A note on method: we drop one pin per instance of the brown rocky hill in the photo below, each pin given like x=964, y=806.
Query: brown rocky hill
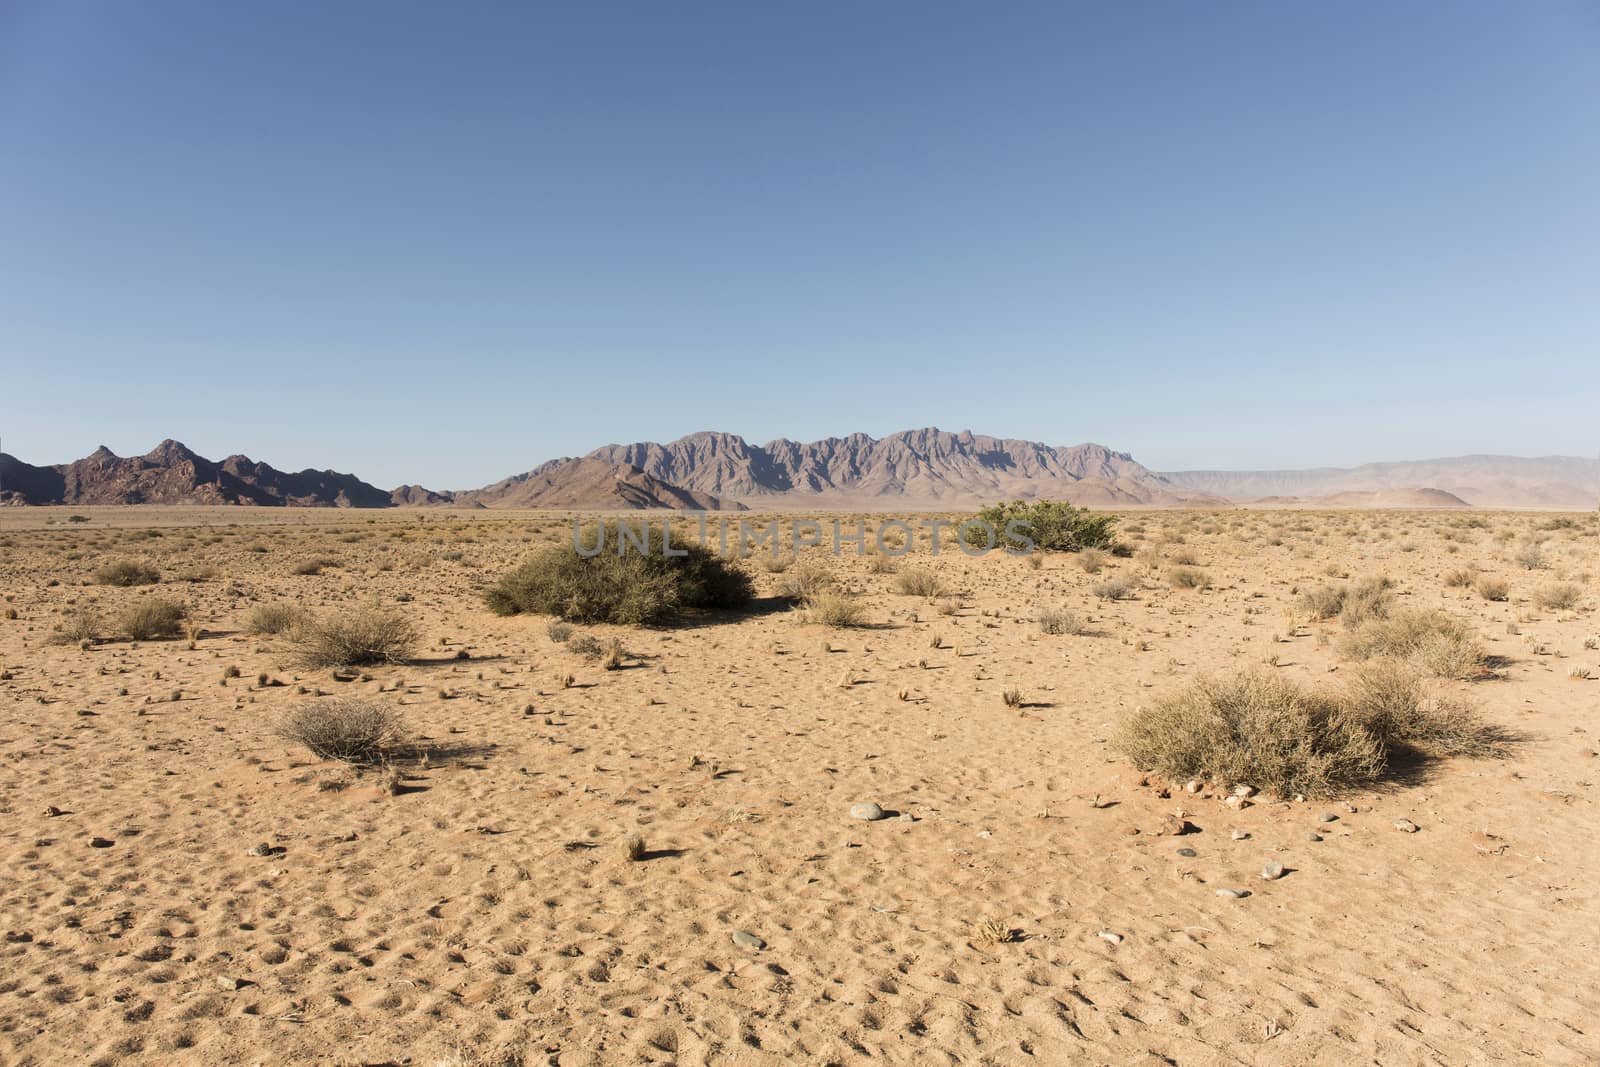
x=589, y=485
x=174, y=474
x=915, y=468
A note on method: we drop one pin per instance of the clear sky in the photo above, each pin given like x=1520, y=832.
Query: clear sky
x=443, y=242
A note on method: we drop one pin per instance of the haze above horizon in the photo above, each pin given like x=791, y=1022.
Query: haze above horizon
x=442, y=245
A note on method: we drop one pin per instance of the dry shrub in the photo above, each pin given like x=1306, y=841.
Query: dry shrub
x=558, y=631
x=833, y=608
x=808, y=579
x=633, y=588
x=1187, y=578
x=1060, y=621
x=1092, y=560
x=151, y=618
x=274, y=619
x=126, y=572
x=79, y=625
x=352, y=730
x=1461, y=579
x=918, y=581
x=1493, y=588
x=776, y=564
x=1112, y=589
x=587, y=646
x=1561, y=596
x=1439, y=643
x=308, y=567
x=354, y=639
x=1353, y=603
x=1390, y=698
x=881, y=563
x=1265, y=731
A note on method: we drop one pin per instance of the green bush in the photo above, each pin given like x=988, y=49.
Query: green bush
x=1051, y=525
x=632, y=588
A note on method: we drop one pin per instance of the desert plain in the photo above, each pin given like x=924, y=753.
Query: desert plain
x=181, y=884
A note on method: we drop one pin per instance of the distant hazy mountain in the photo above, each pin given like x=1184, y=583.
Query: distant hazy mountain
x=1482, y=481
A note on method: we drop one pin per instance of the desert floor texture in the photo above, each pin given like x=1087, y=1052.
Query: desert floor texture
x=483, y=911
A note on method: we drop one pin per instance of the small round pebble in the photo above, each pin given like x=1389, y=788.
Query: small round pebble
x=1327, y=816
x=866, y=811
x=1241, y=835
x=1406, y=826
x=746, y=939
x=1108, y=936
x=1233, y=894
x=1313, y=836
x=1188, y=853
x=1272, y=871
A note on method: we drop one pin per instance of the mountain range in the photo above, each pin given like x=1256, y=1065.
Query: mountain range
x=914, y=469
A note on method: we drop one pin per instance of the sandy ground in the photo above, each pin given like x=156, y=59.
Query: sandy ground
x=485, y=914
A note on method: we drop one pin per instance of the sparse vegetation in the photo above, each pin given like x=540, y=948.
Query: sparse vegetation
x=634, y=588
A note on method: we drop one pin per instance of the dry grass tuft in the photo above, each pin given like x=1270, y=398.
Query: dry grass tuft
x=918, y=581
x=1265, y=731
x=809, y=579
x=274, y=619
x=1060, y=621
x=1439, y=643
x=1561, y=596
x=1493, y=589
x=152, y=618
x=1187, y=578
x=833, y=608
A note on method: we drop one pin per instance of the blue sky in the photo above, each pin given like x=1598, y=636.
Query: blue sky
x=445, y=242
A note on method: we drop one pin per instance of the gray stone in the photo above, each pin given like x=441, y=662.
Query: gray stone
x=866, y=811
x=1313, y=836
x=745, y=939
x=1272, y=871
x=1233, y=894
x=1327, y=816
x=1406, y=826
x=1188, y=853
